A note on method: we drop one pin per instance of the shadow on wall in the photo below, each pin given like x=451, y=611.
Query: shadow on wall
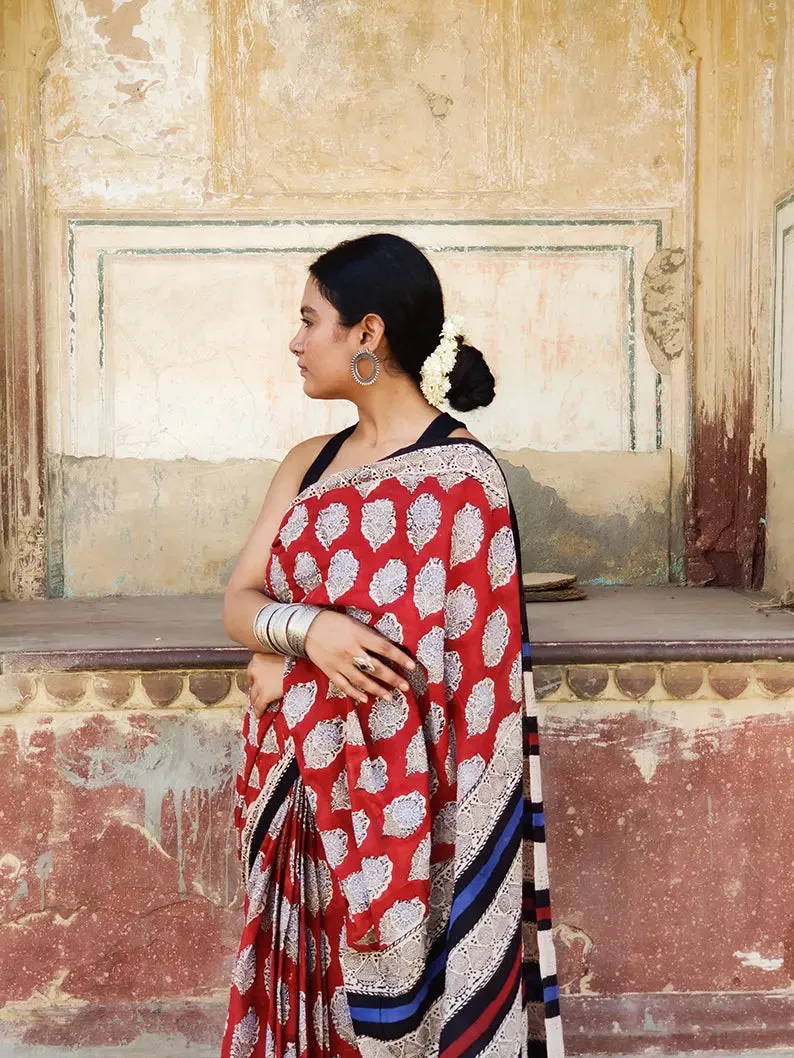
x=152, y=527
x=602, y=549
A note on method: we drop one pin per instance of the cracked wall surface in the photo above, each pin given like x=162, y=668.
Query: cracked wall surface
x=120, y=905
x=118, y=868
x=124, y=106
x=165, y=344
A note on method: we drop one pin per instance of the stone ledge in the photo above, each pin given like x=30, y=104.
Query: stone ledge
x=665, y=1022
x=723, y=1023
x=621, y=625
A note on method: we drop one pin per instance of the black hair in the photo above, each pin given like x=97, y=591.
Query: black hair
x=389, y=276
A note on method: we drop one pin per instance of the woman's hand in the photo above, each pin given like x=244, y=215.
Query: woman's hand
x=265, y=681
x=334, y=639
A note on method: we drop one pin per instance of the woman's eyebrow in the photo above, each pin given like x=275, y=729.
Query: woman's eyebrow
x=307, y=310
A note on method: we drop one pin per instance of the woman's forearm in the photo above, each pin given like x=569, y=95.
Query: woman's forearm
x=240, y=607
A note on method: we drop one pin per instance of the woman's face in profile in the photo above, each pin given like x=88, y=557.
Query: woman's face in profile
x=323, y=347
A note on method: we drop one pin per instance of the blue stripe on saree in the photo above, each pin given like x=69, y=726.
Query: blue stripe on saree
x=390, y=1017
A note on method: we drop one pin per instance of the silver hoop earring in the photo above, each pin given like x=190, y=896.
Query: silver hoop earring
x=369, y=356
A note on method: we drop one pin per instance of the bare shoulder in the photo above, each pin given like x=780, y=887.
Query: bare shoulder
x=303, y=453
x=310, y=447
x=290, y=473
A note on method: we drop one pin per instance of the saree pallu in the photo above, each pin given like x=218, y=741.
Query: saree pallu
x=393, y=852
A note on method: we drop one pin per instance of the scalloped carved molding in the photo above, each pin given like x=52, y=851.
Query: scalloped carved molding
x=180, y=689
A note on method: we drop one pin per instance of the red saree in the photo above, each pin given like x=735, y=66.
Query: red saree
x=393, y=853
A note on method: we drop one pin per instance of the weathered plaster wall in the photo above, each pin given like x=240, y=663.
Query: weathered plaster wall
x=671, y=880
x=562, y=500
x=118, y=872
x=560, y=104
x=27, y=39
x=185, y=520
x=124, y=103
x=571, y=122
x=659, y=822
x=732, y=180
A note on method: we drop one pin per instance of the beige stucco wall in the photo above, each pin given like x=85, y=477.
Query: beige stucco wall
x=155, y=104
x=140, y=526
x=177, y=135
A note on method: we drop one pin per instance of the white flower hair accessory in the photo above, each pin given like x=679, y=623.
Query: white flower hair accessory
x=438, y=366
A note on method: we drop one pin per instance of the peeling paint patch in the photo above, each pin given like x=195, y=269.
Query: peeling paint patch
x=176, y=763
x=119, y=876
x=116, y=24
x=664, y=307
x=43, y=872
x=761, y=962
x=100, y=150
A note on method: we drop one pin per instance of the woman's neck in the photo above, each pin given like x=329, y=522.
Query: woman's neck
x=394, y=417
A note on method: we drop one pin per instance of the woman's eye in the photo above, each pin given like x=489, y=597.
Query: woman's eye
x=306, y=323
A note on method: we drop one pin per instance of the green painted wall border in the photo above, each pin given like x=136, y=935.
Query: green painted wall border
x=492, y=222
x=627, y=251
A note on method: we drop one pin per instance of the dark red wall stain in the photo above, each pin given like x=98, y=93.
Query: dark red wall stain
x=91, y=897
x=669, y=878
x=726, y=501
x=671, y=839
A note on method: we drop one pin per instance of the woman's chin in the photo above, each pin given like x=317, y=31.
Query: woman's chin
x=317, y=391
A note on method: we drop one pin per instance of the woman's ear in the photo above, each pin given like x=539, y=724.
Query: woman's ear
x=373, y=330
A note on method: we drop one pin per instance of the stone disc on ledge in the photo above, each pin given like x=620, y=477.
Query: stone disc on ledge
x=551, y=587
x=547, y=581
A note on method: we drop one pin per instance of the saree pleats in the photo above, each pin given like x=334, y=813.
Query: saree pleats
x=288, y=994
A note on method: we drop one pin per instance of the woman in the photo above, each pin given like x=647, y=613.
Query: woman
x=381, y=801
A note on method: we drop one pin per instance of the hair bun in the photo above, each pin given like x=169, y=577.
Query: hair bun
x=472, y=384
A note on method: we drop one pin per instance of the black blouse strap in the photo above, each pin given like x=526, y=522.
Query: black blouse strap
x=441, y=426
x=325, y=456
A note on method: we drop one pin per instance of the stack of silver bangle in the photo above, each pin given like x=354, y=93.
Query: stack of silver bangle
x=282, y=627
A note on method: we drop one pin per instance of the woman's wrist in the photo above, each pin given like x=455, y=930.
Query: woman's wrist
x=240, y=607
x=281, y=628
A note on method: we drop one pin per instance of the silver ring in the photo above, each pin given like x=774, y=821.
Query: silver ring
x=364, y=664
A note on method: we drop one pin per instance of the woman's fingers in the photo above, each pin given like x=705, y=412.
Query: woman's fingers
x=379, y=644
x=368, y=685
x=348, y=687
x=257, y=703
x=383, y=674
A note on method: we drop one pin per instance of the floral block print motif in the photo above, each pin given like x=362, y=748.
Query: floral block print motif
x=393, y=851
